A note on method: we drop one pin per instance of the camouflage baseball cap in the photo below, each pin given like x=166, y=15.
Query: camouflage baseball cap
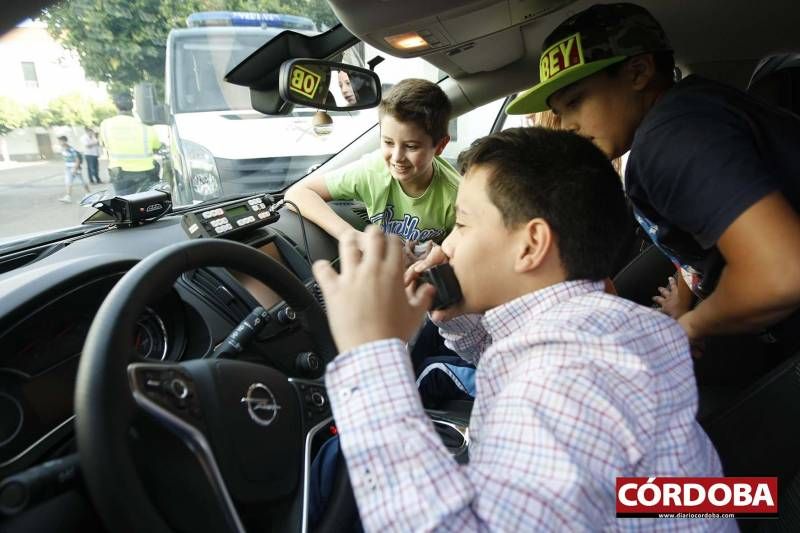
x=586, y=43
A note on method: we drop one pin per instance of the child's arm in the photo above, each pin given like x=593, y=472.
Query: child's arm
x=311, y=195
x=760, y=283
x=676, y=298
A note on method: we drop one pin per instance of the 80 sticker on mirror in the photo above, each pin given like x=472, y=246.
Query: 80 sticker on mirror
x=304, y=81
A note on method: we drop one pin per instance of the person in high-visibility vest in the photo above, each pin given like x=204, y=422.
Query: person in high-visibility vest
x=130, y=146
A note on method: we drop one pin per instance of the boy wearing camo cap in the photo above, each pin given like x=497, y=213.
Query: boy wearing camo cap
x=712, y=172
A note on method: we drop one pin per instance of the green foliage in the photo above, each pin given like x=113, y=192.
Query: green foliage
x=12, y=115
x=122, y=42
x=71, y=109
x=102, y=111
x=317, y=10
x=118, y=42
x=40, y=117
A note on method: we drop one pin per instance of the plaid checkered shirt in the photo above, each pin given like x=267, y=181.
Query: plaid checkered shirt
x=575, y=387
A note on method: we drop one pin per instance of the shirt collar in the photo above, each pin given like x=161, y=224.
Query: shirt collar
x=506, y=319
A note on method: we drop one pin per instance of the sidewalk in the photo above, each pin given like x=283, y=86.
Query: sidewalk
x=13, y=165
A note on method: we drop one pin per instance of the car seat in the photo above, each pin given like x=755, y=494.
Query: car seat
x=776, y=79
x=759, y=435
x=640, y=278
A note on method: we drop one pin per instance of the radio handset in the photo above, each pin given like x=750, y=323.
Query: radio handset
x=448, y=291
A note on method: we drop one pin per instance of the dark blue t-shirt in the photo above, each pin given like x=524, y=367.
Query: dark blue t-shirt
x=702, y=155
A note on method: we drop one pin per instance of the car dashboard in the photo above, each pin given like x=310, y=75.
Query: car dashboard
x=47, y=307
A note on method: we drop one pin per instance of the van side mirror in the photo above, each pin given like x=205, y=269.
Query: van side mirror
x=148, y=108
x=328, y=85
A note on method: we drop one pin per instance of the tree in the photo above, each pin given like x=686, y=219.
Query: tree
x=317, y=10
x=12, y=115
x=123, y=42
x=39, y=117
x=71, y=109
x=102, y=111
x=118, y=42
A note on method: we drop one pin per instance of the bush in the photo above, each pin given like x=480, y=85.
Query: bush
x=102, y=111
x=12, y=115
x=70, y=110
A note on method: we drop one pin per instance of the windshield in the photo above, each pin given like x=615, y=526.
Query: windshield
x=128, y=95
x=201, y=61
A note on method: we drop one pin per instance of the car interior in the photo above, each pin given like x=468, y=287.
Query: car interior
x=127, y=392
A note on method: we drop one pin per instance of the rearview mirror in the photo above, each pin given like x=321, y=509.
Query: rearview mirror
x=328, y=85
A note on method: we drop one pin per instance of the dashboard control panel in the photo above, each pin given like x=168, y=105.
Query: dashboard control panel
x=223, y=220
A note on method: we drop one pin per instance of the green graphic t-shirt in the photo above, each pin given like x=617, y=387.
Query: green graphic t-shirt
x=430, y=216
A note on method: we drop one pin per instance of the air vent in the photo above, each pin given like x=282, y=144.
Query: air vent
x=26, y=257
x=16, y=261
x=212, y=289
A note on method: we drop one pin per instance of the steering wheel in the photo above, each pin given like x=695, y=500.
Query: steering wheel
x=248, y=426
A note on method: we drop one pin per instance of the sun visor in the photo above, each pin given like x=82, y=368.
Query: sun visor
x=259, y=71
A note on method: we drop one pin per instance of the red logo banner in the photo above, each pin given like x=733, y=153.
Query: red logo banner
x=665, y=496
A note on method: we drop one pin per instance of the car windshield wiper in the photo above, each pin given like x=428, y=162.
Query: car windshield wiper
x=49, y=238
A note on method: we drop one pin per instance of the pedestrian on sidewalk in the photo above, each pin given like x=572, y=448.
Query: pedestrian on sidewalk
x=91, y=151
x=72, y=170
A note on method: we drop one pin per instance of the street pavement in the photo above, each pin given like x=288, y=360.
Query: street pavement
x=29, y=194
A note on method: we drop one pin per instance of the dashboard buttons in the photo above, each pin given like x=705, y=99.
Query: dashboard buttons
x=171, y=389
x=318, y=399
x=232, y=217
x=256, y=204
x=178, y=388
x=315, y=402
x=286, y=316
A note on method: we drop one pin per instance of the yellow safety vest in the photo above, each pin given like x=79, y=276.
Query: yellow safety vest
x=130, y=144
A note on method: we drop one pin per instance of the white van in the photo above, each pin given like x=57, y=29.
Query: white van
x=204, y=113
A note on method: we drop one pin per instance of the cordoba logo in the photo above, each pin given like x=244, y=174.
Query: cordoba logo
x=683, y=497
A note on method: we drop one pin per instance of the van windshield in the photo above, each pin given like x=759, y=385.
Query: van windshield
x=202, y=60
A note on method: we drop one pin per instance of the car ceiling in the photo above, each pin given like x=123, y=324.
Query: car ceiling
x=492, y=46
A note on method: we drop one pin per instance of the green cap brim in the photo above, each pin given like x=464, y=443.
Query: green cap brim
x=535, y=99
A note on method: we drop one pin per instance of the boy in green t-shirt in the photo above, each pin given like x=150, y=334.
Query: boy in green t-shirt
x=408, y=189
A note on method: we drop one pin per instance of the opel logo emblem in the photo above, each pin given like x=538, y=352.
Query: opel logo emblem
x=261, y=404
